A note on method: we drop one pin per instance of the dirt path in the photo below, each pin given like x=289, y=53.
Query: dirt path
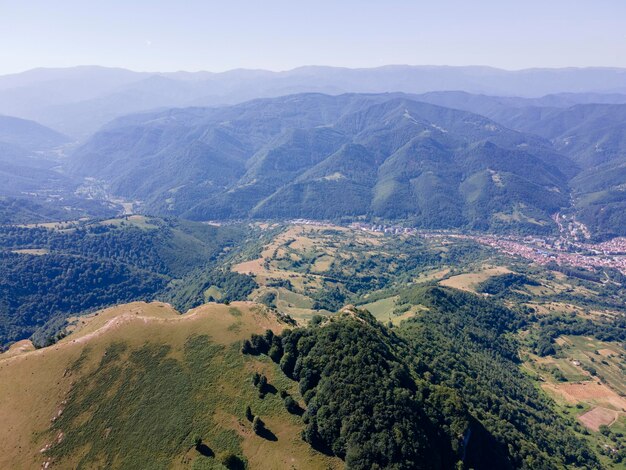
x=116, y=321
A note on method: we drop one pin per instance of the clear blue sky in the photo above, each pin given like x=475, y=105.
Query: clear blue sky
x=158, y=35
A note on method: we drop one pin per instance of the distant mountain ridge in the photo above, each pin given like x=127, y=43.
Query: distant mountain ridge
x=29, y=135
x=25, y=148
x=274, y=161
x=322, y=156
x=592, y=132
x=78, y=100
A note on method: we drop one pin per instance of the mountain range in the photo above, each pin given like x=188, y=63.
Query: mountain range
x=321, y=156
x=78, y=100
x=25, y=148
x=434, y=159
x=592, y=134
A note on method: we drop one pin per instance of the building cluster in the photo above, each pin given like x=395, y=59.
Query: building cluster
x=379, y=228
x=544, y=251
x=563, y=250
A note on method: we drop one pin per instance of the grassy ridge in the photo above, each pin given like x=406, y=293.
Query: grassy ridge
x=137, y=388
x=90, y=265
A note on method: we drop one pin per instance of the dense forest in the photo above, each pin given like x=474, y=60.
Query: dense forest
x=464, y=342
x=442, y=389
x=48, y=274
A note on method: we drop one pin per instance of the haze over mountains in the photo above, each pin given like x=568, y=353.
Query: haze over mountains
x=319, y=156
x=183, y=188
x=499, y=155
x=77, y=101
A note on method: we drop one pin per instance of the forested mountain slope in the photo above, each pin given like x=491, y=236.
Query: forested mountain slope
x=230, y=385
x=446, y=381
x=29, y=135
x=48, y=274
x=588, y=128
x=321, y=156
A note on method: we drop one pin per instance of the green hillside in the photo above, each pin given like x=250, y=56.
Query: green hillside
x=51, y=272
x=447, y=382
x=319, y=156
x=140, y=386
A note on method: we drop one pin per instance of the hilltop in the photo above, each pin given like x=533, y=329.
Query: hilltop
x=141, y=385
x=135, y=384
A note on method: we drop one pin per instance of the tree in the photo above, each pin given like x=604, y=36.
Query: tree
x=262, y=386
x=232, y=461
x=249, y=415
x=259, y=344
x=256, y=377
x=276, y=350
x=291, y=405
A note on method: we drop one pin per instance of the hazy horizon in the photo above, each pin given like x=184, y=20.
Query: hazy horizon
x=278, y=35
x=304, y=66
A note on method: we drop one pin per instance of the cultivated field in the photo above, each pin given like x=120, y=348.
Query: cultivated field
x=597, y=417
x=598, y=396
x=296, y=264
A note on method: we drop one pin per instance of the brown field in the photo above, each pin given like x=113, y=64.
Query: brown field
x=433, y=275
x=255, y=267
x=469, y=281
x=597, y=417
x=588, y=391
x=607, y=352
x=54, y=225
x=139, y=221
x=323, y=263
x=544, y=308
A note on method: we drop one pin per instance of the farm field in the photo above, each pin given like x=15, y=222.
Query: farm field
x=303, y=261
x=586, y=379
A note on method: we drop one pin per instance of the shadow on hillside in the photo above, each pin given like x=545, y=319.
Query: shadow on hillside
x=267, y=434
x=321, y=448
x=205, y=450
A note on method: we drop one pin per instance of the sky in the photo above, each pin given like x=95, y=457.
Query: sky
x=194, y=35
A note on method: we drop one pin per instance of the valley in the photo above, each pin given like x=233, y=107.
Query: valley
x=297, y=275
x=309, y=269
